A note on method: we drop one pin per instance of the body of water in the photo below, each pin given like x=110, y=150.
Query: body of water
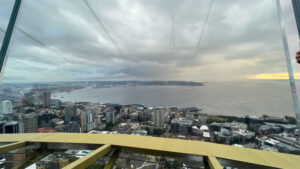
x=238, y=99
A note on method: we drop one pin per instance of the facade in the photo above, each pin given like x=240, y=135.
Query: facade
x=63, y=162
x=28, y=123
x=181, y=126
x=72, y=127
x=14, y=157
x=230, y=126
x=87, y=121
x=110, y=117
x=29, y=99
x=144, y=115
x=159, y=117
x=69, y=113
x=45, y=120
x=227, y=137
x=189, y=116
x=46, y=99
x=58, y=104
x=245, y=134
x=10, y=127
x=201, y=119
x=6, y=107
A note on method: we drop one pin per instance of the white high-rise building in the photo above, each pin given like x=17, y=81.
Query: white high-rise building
x=6, y=107
x=159, y=117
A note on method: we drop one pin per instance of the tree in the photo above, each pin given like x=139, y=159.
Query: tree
x=291, y=120
x=157, y=132
x=175, y=164
x=128, y=161
x=265, y=116
x=72, y=159
x=96, y=166
x=148, y=131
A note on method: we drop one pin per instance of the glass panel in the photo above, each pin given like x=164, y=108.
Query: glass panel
x=292, y=37
x=200, y=70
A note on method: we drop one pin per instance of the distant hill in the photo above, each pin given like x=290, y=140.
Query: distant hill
x=149, y=83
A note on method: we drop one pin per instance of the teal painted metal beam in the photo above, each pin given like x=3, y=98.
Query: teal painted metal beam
x=8, y=34
x=296, y=6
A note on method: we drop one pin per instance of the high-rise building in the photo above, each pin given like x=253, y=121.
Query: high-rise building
x=46, y=99
x=10, y=127
x=28, y=123
x=159, y=117
x=110, y=117
x=58, y=104
x=29, y=99
x=2, y=123
x=87, y=121
x=69, y=113
x=72, y=127
x=45, y=120
x=6, y=107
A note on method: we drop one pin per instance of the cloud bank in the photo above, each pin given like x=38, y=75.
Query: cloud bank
x=146, y=40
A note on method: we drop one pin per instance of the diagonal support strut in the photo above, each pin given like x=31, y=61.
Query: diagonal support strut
x=12, y=146
x=89, y=159
x=113, y=158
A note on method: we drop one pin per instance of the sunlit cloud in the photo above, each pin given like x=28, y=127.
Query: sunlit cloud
x=273, y=76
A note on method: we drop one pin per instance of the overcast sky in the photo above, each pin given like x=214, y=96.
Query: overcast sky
x=148, y=40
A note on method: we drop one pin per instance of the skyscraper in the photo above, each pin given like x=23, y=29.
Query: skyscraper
x=87, y=121
x=159, y=117
x=43, y=98
x=58, y=104
x=69, y=113
x=110, y=117
x=11, y=127
x=46, y=99
x=28, y=123
x=6, y=106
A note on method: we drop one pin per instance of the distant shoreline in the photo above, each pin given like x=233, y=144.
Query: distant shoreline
x=101, y=84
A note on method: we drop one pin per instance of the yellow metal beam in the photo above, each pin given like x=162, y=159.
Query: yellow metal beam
x=30, y=158
x=167, y=145
x=212, y=163
x=90, y=158
x=12, y=146
x=113, y=158
x=153, y=152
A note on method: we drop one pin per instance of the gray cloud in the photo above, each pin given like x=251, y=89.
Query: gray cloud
x=242, y=38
